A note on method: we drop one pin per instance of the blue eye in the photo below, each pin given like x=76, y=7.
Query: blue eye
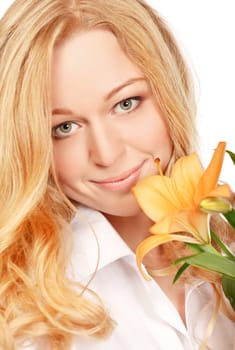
x=127, y=105
x=64, y=130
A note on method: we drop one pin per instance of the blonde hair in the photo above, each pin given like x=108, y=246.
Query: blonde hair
x=36, y=297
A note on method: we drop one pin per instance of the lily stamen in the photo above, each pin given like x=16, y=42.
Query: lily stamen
x=159, y=168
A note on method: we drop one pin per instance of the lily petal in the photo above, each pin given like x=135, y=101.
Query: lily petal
x=195, y=222
x=153, y=241
x=164, y=226
x=185, y=175
x=221, y=191
x=154, y=197
x=210, y=177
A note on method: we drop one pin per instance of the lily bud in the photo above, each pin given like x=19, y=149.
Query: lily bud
x=213, y=205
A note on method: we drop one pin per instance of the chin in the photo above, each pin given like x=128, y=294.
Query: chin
x=122, y=206
x=122, y=209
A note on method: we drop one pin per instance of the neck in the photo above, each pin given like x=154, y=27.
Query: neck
x=132, y=229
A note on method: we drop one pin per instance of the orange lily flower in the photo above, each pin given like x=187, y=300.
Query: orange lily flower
x=173, y=203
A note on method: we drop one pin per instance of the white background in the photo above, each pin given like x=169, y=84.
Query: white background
x=205, y=30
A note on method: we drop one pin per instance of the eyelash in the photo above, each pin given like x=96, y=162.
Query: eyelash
x=137, y=100
x=55, y=130
x=74, y=126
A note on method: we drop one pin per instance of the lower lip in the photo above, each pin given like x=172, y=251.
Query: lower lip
x=124, y=184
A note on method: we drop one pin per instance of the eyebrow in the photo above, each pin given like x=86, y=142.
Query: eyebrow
x=106, y=97
x=120, y=87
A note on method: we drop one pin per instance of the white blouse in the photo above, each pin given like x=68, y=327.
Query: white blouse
x=146, y=318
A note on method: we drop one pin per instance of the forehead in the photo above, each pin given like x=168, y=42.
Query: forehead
x=91, y=60
x=92, y=49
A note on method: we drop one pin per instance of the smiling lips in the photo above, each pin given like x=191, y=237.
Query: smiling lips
x=123, y=182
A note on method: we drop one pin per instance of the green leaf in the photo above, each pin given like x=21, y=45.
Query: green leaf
x=222, y=245
x=180, y=271
x=232, y=156
x=230, y=216
x=213, y=262
x=183, y=259
x=197, y=248
x=228, y=285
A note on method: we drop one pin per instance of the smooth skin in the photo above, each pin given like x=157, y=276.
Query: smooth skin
x=107, y=131
x=110, y=129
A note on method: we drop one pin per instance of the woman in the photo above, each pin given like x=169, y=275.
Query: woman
x=91, y=93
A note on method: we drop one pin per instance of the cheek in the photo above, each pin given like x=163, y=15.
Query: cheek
x=158, y=134
x=152, y=136
x=69, y=163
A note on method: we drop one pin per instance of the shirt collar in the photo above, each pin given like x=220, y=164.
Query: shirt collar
x=94, y=238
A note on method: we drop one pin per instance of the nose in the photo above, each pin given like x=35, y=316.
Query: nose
x=105, y=144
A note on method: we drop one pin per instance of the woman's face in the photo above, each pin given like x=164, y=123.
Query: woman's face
x=107, y=129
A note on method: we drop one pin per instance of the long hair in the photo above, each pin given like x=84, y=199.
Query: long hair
x=37, y=300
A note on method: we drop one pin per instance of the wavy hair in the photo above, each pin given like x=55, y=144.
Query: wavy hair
x=37, y=299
